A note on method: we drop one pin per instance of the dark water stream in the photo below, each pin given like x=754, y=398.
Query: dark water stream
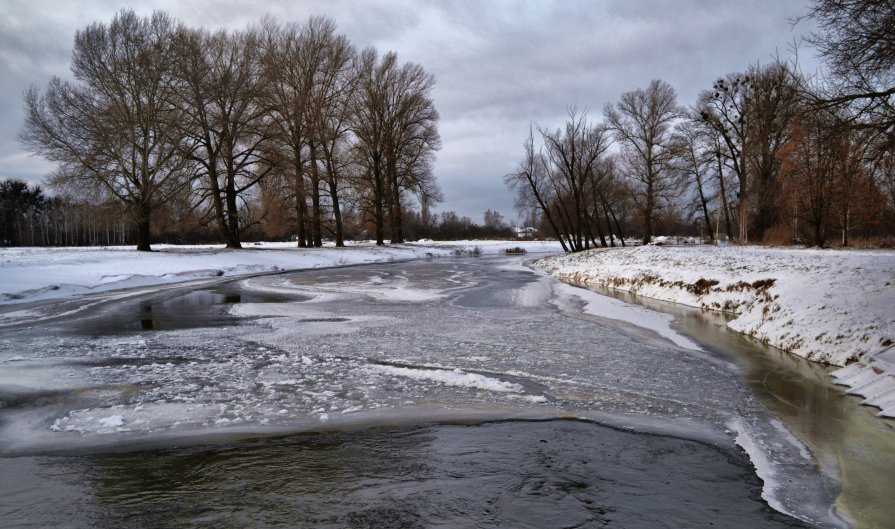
x=522, y=474
x=444, y=393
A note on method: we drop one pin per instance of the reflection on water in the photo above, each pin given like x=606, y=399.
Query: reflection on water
x=559, y=473
x=842, y=435
x=194, y=309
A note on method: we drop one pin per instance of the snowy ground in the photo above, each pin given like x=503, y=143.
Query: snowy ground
x=38, y=274
x=830, y=306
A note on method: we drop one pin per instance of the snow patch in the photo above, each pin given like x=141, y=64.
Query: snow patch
x=611, y=308
x=113, y=421
x=456, y=377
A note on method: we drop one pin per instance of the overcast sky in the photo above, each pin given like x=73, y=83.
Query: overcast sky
x=498, y=64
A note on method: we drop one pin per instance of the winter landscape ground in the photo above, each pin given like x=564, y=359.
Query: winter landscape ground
x=831, y=306
x=327, y=355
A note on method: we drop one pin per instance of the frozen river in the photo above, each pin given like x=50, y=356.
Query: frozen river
x=453, y=392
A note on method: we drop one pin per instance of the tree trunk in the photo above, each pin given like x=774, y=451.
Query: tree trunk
x=845, y=226
x=394, y=191
x=378, y=212
x=332, y=180
x=316, y=229
x=648, y=215
x=144, y=213
x=609, y=227
x=705, y=208
x=232, y=236
x=723, y=198
x=300, y=205
x=397, y=230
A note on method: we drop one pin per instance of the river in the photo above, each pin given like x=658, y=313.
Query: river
x=452, y=392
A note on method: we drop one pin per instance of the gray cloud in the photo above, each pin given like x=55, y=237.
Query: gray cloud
x=498, y=64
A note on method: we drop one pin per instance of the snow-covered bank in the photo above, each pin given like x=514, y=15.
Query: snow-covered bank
x=830, y=306
x=37, y=274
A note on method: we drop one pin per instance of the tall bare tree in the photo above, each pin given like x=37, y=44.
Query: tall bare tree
x=331, y=57
x=813, y=160
x=774, y=102
x=569, y=181
x=573, y=154
x=857, y=40
x=411, y=140
x=642, y=121
x=751, y=114
x=114, y=127
x=395, y=124
x=533, y=189
x=289, y=88
x=220, y=88
x=370, y=127
x=695, y=161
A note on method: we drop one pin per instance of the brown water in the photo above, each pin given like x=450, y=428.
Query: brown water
x=846, y=439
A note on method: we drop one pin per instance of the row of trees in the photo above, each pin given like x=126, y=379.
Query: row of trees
x=28, y=217
x=291, y=117
x=764, y=154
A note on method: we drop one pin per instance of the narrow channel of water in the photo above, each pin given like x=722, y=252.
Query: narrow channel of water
x=845, y=438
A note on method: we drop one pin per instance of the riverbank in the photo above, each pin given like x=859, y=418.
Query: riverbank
x=836, y=307
x=38, y=274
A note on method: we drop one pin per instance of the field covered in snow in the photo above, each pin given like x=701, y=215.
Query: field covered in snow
x=830, y=306
x=37, y=274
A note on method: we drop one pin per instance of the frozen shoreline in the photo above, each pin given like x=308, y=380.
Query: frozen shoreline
x=831, y=306
x=39, y=274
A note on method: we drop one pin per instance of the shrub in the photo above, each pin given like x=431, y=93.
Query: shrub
x=779, y=235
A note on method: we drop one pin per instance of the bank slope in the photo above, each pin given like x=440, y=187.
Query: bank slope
x=830, y=306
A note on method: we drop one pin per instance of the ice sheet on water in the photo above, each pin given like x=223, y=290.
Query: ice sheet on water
x=780, y=459
x=454, y=377
x=607, y=307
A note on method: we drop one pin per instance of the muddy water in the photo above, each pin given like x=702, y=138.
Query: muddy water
x=846, y=439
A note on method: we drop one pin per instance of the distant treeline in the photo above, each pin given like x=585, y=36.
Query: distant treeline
x=764, y=155
x=282, y=130
x=28, y=217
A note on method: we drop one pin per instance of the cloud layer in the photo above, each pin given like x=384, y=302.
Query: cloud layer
x=498, y=65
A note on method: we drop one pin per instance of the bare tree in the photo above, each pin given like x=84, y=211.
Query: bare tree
x=857, y=40
x=567, y=181
x=533, y=188
x=820, y=166
x=330, y=118
x=642, y=121
x=723, y=110
x=370, y=127
x=219, y=92
x=573, y=154
x=774, y=101
x=695, y=159
x=289, y=87
x=114, y=127
x=395, y=123
x=412, y=138
x=751, y=113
